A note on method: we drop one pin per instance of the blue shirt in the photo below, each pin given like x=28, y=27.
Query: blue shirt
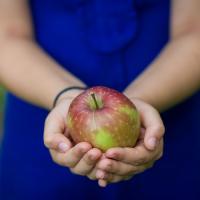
x=102, y=42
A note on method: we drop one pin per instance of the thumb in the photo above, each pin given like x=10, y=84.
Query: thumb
x=57, y=142
x=54, y=130
x=153, y=136
x=151, y=122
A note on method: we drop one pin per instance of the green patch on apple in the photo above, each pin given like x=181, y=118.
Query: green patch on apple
x=132, y=113
x=104, y=139
x=69, y=121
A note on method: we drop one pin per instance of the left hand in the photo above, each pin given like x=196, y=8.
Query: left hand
x=121, y=164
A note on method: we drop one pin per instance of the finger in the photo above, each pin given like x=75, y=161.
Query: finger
x=87, y=162
x=113, y=178
x=54, y=133
x=102, y=183
x=152, y=122
x=109, y=177
x=116, y=167
x=100, y=174
x=92, y=174
x=133, y=156
x=72, y=156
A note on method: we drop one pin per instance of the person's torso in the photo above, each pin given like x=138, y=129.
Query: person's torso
x=103, y=42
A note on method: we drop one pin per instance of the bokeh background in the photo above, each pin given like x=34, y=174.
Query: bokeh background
x=2, y=94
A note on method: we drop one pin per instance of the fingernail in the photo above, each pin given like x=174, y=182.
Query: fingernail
x=63, y=147
x=152, y=142
x=103, y=183
x=100, y=174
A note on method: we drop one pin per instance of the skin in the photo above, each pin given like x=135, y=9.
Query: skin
x=19, y=49
x=177, y=67
x=176, y=70
x=123, y=163
x=116, y=164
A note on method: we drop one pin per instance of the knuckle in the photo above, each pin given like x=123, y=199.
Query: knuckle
x=109, y=165
x=87, y=160
x=77, y=152
x=48, y=141
x=160, y=129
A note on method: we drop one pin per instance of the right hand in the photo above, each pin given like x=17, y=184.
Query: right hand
x=80, y=158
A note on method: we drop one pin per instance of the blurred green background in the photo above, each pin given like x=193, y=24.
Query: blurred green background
x=2, y=92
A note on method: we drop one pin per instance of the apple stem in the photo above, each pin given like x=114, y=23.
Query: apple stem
x=95, y=101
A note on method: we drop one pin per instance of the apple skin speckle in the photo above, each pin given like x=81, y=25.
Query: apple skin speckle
x=115, y=122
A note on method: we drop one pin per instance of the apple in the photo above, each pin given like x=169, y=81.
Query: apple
x=103, y=117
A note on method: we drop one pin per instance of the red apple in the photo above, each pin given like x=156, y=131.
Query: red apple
x=103, y=117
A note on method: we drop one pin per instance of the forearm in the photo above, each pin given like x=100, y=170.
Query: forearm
x=28, y=72
x=173, y=76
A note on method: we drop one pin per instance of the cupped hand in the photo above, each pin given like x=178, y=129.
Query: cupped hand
x=121, y=164
x=116, y=164
x=80, y=158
